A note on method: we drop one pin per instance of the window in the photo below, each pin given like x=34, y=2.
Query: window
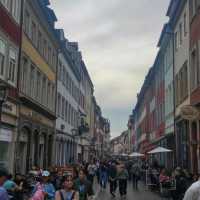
x=54, y=60
x=15, y=5
x=180, y=33
x=45, y=48
x=32, y=80
x=2, y=57
x=33, y=32
x=72, y=116
x=49, y=95
x=27, y=22
x=176, y=40
x=24, y=73
x=38, y=86
x=12, y=65
x=59, y=70
x=39, y=41
x=53, y=98
x=67, y=80
x=44, y=90
x=185, y=80
x=180, y=84
x=59, y=105
x=194, y=70
x=194, y=6
x=69, y=114
x=64, y=71
x=49, y=55
x=66, y=111
x=185, y=25
x=63, y=108
x=176, y=90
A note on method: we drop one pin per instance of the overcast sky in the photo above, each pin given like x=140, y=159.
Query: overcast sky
x=118, y=41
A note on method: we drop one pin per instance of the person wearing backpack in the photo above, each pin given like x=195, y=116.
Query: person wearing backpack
x=67, y=193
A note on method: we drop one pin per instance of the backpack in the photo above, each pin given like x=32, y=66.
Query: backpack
x=62, y=197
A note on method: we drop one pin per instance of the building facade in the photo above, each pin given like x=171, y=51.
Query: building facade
x=37, y=87
x=167, y=48
x=10, y=41
x=68, y=81
x=194, y=83
x=178, y=13
x=168, y=104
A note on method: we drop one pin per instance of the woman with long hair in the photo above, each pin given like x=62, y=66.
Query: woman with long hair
x=67, y=192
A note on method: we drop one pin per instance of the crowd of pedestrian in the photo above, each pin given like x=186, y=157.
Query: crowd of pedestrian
x=58, y=183
x=173, y=183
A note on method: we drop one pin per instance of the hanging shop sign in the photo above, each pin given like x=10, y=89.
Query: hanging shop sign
x=190, y=113
x=9, y=108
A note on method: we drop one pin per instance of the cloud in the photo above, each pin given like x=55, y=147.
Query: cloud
x=118, y=40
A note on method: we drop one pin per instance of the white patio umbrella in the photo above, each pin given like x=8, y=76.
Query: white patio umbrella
x=159, y=150
x=136, y=154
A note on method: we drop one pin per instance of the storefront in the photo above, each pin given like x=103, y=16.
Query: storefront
x=34, y=140
x=5, y=147
x=8, y=135
x=182, y=144
x=191, y=116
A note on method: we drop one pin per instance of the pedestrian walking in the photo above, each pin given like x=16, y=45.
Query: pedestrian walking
x=67, y=192
x=135, y=172
x=3, y=178
x=12, y=188
x=193, y=193
x=91, y=172
x=103, y=175
x=122, y=177
x=44, y=189
x=113, y=178
x=83, y=186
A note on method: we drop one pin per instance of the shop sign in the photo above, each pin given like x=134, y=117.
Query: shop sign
x=189, y=113
x=9, y=108
x=5, y=135
x=33, y=115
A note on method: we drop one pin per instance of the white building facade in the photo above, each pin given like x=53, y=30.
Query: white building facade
x=68, y=93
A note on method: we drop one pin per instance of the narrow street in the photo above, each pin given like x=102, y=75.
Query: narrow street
x=141, y=194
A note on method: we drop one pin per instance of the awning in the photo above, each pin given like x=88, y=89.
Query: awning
x=159, y=150
x=136, y=154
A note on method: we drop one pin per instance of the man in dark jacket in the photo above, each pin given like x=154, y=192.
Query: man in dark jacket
x=113, y=178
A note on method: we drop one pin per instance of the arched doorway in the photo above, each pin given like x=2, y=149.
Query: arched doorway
x=23, y=153
x=35, y=147
x=41, y=150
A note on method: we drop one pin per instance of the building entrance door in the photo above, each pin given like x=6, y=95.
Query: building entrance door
x=24, y=151
x=41, y=151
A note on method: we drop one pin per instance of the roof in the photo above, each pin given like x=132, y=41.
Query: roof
x=169, y=8
x=165, y=31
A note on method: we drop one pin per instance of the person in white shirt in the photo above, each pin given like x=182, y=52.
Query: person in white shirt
x=193, y=192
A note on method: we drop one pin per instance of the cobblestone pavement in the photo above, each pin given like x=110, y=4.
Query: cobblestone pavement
x=141, y=194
